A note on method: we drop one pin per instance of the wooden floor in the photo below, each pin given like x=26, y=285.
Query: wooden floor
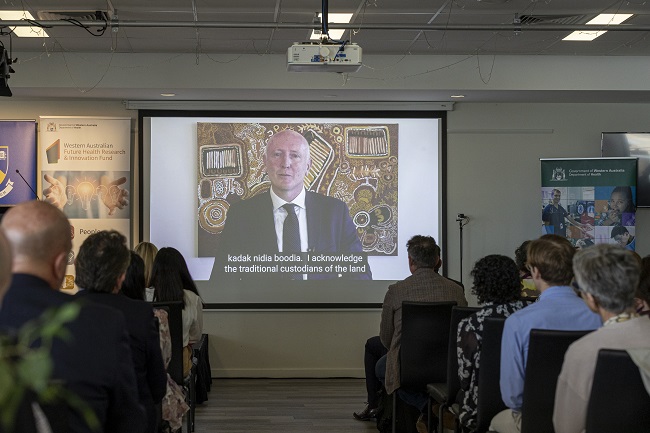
x=283, y=406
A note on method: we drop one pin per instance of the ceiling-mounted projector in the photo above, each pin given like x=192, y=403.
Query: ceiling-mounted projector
x=324, y=57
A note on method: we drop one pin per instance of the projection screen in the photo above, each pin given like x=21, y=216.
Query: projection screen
x=374, y=180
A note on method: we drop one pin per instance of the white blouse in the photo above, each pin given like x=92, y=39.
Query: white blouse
x=192, y=318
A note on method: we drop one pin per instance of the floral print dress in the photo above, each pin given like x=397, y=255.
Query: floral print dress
x=468, y=340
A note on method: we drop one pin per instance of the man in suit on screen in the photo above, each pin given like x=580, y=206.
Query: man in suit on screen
x=289, y=219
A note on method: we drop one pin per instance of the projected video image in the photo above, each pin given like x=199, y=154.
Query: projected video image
x=361, y=186
x=353, y=163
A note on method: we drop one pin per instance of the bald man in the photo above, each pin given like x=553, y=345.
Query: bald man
x=257, y=225
x=95, y=363
x=5, y=264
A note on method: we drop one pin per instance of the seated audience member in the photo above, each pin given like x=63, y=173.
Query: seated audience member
x=497, y=288
x=134, y=281
x=95, y=362
x=528, y=289
x=642, y=295
x=606, y=276
x=558, y=307
x=173, y=403
x=424, y=285
x=623, y=237
x=148, y=252
x=424, y=261
x=100, y=267
x=172, y=282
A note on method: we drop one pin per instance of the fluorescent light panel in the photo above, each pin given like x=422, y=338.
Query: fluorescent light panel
x=23, y=32
x=332, y=18
x=602, y=19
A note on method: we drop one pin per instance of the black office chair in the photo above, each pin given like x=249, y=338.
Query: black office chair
x=619, y=401
x=489, y=400
x=546, y=350
x=203, y=369
x=424, y=345
x=444, y=393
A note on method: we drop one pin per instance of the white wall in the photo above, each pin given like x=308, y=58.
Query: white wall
x=493, y=176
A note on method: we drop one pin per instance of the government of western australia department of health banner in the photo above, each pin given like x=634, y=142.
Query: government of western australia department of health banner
x=590, y=200
x=85, y=170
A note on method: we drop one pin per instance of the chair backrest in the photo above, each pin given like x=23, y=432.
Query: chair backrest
x=453, y=382
x=175, y=315
x=424, y=344
x=619, y=400
x=489, y=401
x=546, y=350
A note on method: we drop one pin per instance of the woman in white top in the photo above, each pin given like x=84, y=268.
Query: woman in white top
x=172, y=282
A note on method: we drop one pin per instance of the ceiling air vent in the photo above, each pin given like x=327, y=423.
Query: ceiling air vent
x=75, y=15
x=555, y=19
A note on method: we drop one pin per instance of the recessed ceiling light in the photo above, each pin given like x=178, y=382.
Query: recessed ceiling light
x=332, y=18
x=168, y=95
x=602, y=19
x=23, y=32
x=457, y=96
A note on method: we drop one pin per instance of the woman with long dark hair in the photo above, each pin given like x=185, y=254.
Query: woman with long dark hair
x=133, y=284
x=172, y=281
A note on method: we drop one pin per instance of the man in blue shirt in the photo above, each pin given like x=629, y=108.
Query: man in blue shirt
x=559, y=307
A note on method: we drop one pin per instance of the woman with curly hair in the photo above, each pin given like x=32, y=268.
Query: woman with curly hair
x=497, y=287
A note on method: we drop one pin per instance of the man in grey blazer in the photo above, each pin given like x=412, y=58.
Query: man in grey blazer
x=423, y=285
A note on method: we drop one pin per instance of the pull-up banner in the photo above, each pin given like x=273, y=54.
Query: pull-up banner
x=85, y=170
x=17, y=159
x=591, y=200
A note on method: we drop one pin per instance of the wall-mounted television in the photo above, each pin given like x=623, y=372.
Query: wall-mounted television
x=632, y=144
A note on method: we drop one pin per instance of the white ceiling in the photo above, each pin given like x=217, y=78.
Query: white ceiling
x=404, y=15
x=393, y=27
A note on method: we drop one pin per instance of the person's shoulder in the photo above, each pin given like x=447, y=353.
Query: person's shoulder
x=118, y=301
x=438, y=280
x=521, y=316
x=191, y=296
x=91, y=308
x=324, y=200
x=251, y=202
x=141, y=308
x=586, y=347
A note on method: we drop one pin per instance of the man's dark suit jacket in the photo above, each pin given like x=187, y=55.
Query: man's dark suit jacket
x=145, y=348
x=95, y=363
x=250, y=229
